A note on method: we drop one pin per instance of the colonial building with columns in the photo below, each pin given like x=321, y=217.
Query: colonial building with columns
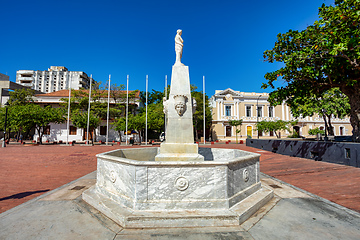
x=234, y=105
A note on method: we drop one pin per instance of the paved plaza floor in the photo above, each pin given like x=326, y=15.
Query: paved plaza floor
x=40, y=198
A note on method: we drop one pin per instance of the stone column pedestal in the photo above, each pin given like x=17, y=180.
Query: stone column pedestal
x=179, y=145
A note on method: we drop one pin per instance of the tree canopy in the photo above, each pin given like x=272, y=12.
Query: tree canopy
x=275, y=126
x=198, y=116
x=24, y=114
x=323, y=56
x=236, y=123
x=332, y=103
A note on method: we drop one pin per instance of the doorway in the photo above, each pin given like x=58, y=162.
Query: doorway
x=228, y=131
x=249, y=131
x=91, y=132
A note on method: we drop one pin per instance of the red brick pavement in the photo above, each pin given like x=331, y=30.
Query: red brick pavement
x=337, y=183
x=28, y=171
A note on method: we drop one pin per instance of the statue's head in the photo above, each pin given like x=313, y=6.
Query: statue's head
x=179, y=31
x=180, y=104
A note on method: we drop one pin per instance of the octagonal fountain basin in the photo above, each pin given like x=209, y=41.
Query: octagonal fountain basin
x=136, y=191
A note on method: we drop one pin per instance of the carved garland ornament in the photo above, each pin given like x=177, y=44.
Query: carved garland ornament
x=246, y=175
x=181, y=183
x=112, y=176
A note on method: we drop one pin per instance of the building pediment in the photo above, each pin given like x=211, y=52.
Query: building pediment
x=228, y=94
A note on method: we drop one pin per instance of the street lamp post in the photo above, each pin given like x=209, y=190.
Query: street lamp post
x=6, y=110
x=257, y=114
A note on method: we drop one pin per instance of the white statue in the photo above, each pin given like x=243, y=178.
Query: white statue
x=179, y=44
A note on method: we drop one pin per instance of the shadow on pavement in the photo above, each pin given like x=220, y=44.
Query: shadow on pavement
x=23, y=194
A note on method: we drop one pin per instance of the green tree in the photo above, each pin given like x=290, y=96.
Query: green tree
x=20, y=118
x=80, y=119
x=18, y=98
x=42, y=117
x=236, y=123
x=117, y=93
x=135, y=122
x=25, y=117
x=330, y=103
x=155, y=116
x=24, y=114
x=79, y=103
x=21, y=96
x=274, y=126
x=153, y=97
x=323, y=56
x=198, y=116
x=315, y=131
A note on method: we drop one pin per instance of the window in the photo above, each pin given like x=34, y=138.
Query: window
x=341, y=131
x=228, y=131
x=259, y=112
x=248, y=111
x=227, y=110
x=72, y=130
x=271, y=111
x=103, y=130
x=271, y=133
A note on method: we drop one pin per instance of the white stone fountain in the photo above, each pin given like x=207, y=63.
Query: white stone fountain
x=178, y=185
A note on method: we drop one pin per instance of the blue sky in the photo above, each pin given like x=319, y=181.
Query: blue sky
x=223, y=40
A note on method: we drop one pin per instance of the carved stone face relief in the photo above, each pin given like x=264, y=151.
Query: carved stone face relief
x=180, y=104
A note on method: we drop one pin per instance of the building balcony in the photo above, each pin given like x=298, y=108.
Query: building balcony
x=27, y=84
x=229, y=117
x=26, y=78
x=252, y=119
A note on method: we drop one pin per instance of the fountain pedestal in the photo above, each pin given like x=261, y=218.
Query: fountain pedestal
x=179, y=145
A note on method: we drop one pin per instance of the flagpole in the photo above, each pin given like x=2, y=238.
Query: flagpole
x=68, y=118
x=204, y=105
x=127, y=106
x=107, y=117
x=88, y=119
x=165, y=100
x=146, y=120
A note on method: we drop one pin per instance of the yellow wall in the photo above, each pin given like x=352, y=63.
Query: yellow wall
x=238, y=101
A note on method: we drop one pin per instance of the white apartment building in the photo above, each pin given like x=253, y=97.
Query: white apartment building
x=56, y=78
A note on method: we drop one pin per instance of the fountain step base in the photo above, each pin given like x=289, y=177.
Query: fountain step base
x=128, y=218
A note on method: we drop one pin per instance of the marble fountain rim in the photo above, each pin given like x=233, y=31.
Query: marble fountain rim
x=206, y=163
